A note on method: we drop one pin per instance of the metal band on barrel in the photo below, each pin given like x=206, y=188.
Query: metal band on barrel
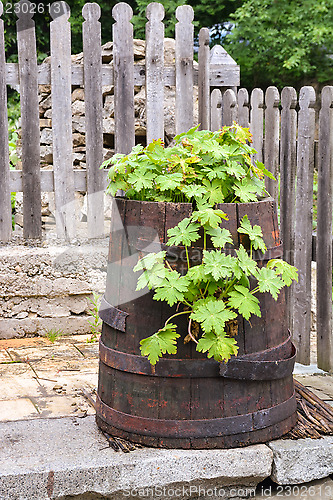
x=112, y=316
x=270, y=364
x=226, y=426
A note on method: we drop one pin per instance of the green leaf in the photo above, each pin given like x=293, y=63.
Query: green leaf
x=245, y=191
x=184, y=233
x=149, y=261
x=219, y=347
x=261, y=167
x=141, y=179
x=161, y=342
x=193, y=191
x=173, y=288
x=220, y=236
x=218, y=264
x=268, y=281
x=247, y=265
x=152, y=278
x=209, y=216
x=213, y=191
x=287, y=272
x=243, y=300
x=169, y=181
x=212, y=315
x=235, y=169
x=197, y=273
x=254, y=233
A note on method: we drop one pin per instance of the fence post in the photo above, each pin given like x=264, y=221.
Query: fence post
x=155, y=72
x=5, y=203
x=229, y=107
x=288, y=170
x=287, y=182
x=272, y=133
x=324, y=233
x=184, y=68
x=27, y=56
x=257, y=122
x=203, y=79
x=61, y=88
x=123, y=67
x=216, y=110
x=243, y=108
x=92, y=60
x=303, y=224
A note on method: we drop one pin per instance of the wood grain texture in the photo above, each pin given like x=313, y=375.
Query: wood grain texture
x=303, y=224
x=5, y=203
x=257, y=122
x=324, y=233
x=272, y=139
x=287, y=182
x=243, y=108
x=220, y=76
x=203, y=79
x=155, y=72
x=92, y=63
x=216, y=110
x=184, y=68
x=123, y=62
x=61, y=92
x=27, y=56
x=229, y=107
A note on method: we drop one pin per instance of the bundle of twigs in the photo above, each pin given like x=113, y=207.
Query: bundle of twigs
x=314, y=416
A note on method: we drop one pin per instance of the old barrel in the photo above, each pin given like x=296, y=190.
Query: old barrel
x=189, y=401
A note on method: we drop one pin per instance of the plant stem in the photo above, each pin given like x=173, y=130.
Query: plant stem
x=187, y=258
x=255, y=290
x=205, y=239
x=190, y=333
x=174, y=315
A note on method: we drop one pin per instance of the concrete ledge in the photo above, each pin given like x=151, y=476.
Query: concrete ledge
x=63, y=458
x=302, y=460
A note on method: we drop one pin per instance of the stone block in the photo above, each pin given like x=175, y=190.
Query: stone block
x=302, y=460
x=59, y=467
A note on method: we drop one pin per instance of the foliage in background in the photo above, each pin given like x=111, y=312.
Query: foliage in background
x=283, y=42
x=96, y=323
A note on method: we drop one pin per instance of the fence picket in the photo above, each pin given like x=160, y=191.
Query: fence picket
x=5, y=203
x=303, y=224
x=92, y=60
x=257, y=122
x=203, y=79
x=287, y=182
x=123, y=62
x=229, y=107
x=27, y=56
x=243, y=108
x=288, y=170
x=61, y=94
x=272, y=136
x=216, y=110
x=154, y=71
x=184, y=68
x=324, y=233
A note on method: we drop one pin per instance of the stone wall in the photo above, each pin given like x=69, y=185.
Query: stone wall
x=47, y=288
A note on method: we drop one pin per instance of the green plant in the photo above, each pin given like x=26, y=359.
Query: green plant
x=213, y=293
x=203, y=166
x=96, y=323
x=53, y=335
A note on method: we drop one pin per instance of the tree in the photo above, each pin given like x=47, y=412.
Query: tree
x=283, y=42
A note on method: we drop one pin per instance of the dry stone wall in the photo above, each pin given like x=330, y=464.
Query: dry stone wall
x=43, y=289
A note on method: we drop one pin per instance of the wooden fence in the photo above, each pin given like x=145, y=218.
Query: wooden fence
x=123, y=74
x=283, y=126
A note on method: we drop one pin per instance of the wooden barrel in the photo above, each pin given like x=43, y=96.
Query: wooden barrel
x=189, y=401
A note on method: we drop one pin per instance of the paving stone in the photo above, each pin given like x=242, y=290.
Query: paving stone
x=16, y=409
x=323, y=383
x=63, y=457
x=302, y=460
